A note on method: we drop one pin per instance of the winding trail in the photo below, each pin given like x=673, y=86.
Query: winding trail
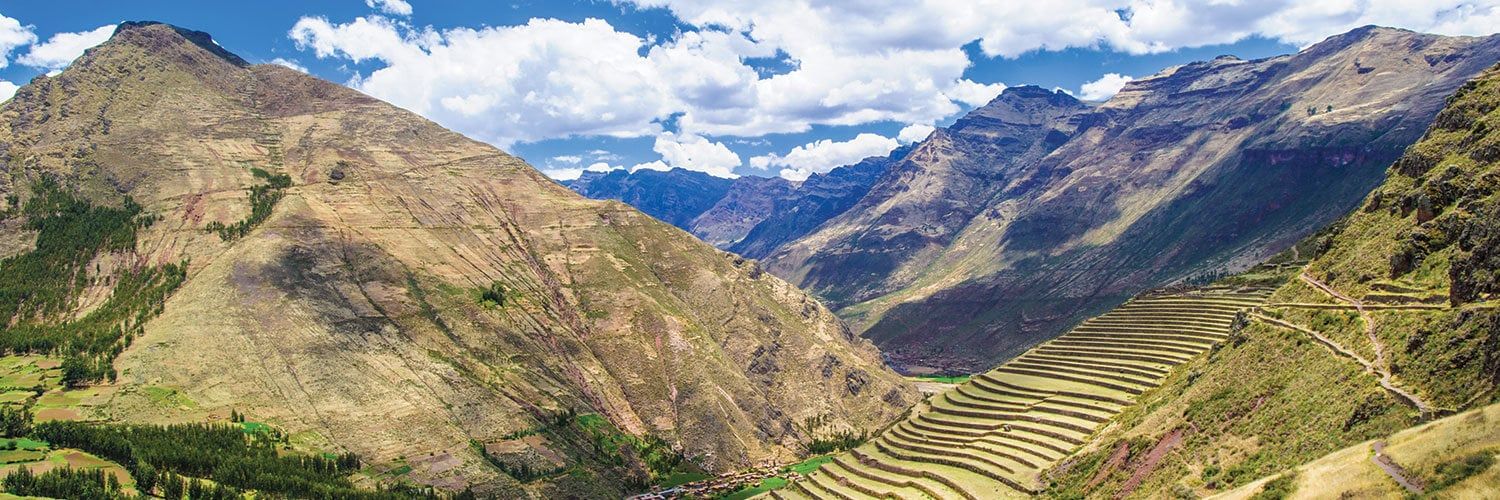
x=1364, y=315
x=1380, y=366
x=1393, y=469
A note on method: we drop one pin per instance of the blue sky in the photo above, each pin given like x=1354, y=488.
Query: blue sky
x=729, y=87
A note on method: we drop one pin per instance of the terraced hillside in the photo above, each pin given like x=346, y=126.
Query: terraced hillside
x=994, y=435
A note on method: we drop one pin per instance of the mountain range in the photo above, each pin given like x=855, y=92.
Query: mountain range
x=1038, y=210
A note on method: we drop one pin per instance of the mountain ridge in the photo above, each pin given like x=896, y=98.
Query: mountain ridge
x=1192, y=171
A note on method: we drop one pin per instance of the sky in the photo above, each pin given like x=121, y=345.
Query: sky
x=726, y=87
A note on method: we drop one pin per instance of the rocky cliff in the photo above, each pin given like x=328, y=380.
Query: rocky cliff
x=371, y=282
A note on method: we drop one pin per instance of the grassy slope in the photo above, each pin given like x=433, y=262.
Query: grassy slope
x=1276, y=399
x=1421, y=450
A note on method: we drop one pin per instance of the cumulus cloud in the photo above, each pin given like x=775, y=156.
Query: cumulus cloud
x=914, y=133
x=289, y=64
x=540, y=80
x=840, y=63
x=570, y=173
x=1103, y=88
x=392, y=7
x=694, y=152
x=974, y=94
x=822, y=156
x=12, y=36
x=7, y=90
x=61, y=49
x=569, y=159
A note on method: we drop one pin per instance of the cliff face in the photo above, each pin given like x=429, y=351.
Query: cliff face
x=414, y=291
x=1011, y=225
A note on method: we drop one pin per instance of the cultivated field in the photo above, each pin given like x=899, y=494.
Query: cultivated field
x=994, y=435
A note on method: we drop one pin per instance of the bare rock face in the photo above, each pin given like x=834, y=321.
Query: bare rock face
x=1034, y=211
x=351, y=316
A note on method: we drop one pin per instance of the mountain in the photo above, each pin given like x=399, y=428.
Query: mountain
x=1385, y=319
x=1359, y=363
x=675, y=197
x=1036, y=211
x=751, y=216
x=819, y=198
x=363, y=280
x=747, y=203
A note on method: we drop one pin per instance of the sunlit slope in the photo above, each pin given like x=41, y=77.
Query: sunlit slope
x=414, y=293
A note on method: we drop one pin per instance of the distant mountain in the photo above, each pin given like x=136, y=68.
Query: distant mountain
x=747, y=203
x=819, y=198
x=1037, y=210
x=202, y=236
x=750, y=215
x=675, y=197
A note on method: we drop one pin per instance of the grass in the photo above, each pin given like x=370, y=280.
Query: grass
x=168, y=397
x=946, y=379
x=807, y=466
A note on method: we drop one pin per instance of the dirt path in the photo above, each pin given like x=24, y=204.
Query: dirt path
x=1380, y=365
x=1364, y=315
x=1383, y=376
x=1393, y=469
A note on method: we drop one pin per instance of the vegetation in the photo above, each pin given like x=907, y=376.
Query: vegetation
x=494, y=296
x=1277, y=489
x=945, y=379
x=173, y=458
x=1459, y=469
x=39, y=289
x=69, y=483
x=838, y=442
x=1001, y=429
x=263, y=198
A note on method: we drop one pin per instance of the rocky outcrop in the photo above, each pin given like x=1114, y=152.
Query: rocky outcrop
x=440, y=294
x=1019, y=220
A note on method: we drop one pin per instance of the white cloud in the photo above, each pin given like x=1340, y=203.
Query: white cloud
x=569, y=159
x=693, y=152
x=12, y=36
x=61, y=49
x=914, y=133
x=541, y=80
x=570, y=173
x=824, y=155
x=393, y=7
x=974, y=94
x=1103, y=88
x=654, y=165
x=289, y=63
x=842, y=63
x=7, y=90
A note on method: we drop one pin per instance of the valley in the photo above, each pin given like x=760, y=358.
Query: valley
x=1262, y=279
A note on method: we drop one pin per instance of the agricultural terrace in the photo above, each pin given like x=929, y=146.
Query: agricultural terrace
x=993, y=435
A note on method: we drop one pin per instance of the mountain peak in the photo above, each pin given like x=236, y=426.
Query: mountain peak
x=158, y=36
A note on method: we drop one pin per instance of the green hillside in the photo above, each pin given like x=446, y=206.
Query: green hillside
x=1380, y=322
x=1392, y=322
